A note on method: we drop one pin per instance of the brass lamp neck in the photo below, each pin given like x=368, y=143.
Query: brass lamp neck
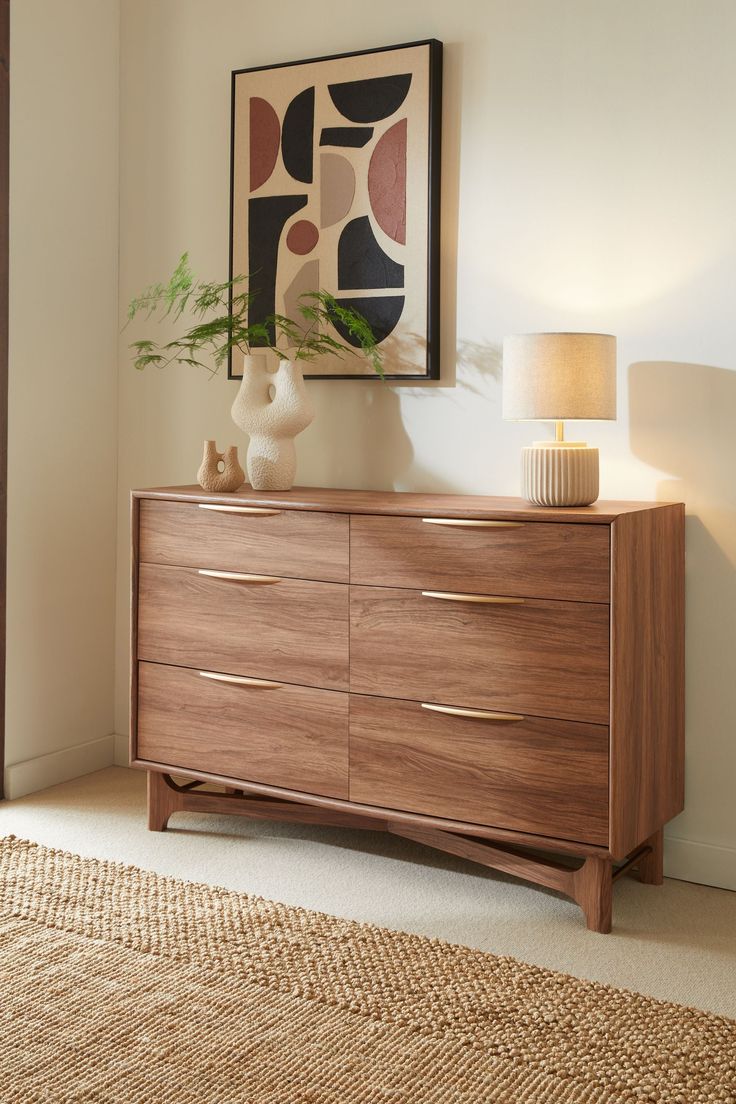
x=559, y=431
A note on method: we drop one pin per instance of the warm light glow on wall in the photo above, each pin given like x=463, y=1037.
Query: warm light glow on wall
x=607, y=270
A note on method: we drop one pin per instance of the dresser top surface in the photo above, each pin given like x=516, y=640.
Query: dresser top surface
x=402, y=503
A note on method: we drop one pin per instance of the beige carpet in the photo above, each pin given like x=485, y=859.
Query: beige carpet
x=121, y=985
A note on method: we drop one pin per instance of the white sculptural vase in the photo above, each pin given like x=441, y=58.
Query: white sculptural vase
x=271, y=407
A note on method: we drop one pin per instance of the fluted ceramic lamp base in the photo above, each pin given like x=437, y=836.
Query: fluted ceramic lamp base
x=560, y=473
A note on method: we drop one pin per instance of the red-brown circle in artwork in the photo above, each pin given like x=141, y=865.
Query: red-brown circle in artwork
x=265, y=132
x=302, y=237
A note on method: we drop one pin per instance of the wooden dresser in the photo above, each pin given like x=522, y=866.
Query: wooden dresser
x=483, y=676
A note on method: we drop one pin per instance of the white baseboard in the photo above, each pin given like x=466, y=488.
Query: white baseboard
x=59, y=766
x=122, y=754
x=704, y=863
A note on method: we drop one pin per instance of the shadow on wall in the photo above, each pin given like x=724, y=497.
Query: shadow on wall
x=359, y=437
x=683, y=421
x=477, y=362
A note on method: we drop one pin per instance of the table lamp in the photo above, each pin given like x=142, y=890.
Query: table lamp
x=558, y=377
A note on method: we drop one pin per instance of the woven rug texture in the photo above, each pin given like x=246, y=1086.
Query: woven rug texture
x=125, y=987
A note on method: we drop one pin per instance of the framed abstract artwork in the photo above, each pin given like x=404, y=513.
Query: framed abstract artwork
x=335, y=176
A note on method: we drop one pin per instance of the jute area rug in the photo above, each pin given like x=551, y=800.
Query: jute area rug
x=122, y=986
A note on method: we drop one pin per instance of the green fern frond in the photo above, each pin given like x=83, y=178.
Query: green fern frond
x=221, y=309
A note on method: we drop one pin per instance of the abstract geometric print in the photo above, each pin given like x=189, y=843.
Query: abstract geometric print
x=335, y=185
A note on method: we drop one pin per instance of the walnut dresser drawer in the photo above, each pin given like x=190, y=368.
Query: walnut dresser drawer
x=497, y=680
x=245, y=538
x=534, y=559
x=283, y=629
x=548, y=659
x=276, y=734
x=526, y=773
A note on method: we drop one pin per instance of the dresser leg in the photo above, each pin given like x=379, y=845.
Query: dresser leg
x=162, y=802
x=650, y=866
x=593, y=891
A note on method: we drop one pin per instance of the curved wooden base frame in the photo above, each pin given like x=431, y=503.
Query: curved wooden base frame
x=589, y=884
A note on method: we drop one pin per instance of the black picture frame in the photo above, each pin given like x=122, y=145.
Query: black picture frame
x=434, y=143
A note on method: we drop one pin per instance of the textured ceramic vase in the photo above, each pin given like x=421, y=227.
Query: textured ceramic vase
x=271, y=407
x=214, y=477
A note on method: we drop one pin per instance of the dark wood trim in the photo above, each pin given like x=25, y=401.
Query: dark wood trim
x=4, y=277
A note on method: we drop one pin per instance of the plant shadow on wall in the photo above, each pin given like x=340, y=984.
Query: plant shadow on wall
x=682, y=421
x=361, y=438
x=477, y=363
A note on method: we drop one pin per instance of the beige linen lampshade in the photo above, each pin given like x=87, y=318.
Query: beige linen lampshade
x=558, y=377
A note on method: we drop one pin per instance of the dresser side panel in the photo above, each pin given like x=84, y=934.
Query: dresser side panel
x=647, y=673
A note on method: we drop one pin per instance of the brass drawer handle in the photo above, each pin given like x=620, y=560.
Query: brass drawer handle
x=240, y=680
x=238, y=576
x=262, y=510
x=477, y=714
x=490, y=599
x=474, y=523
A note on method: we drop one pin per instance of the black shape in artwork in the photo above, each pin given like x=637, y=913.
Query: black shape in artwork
x=367, y=101
x=361, y=263
x=267, y=216
x=297, y=136
x=355, y=137
x=382, y=313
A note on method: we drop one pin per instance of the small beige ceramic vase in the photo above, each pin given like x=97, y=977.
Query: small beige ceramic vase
x=220, y=471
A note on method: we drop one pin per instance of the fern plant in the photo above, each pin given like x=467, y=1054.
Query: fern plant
x=221, y=324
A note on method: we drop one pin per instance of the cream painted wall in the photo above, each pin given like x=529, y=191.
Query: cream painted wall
x=589, y=175
x=63, y=365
